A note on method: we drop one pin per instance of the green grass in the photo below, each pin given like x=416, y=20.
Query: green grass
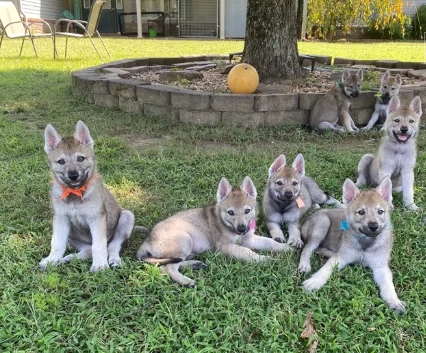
x=156, y=169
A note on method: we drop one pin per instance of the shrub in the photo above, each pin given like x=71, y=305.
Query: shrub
x=419, y=23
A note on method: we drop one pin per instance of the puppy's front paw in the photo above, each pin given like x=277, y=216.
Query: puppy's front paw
x=296, y=242
x=304, y=268
x=46, y=261
x=397, y=306
x=99, y=266
x=114, y=261
x=413, y=208
x=312, y=284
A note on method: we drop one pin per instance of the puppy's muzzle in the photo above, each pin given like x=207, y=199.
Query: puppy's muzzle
x=372, y=229
x=355, y=94
x=241, y=229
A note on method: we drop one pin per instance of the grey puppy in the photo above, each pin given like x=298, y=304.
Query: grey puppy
x=289, y=194
x=86, y=215
x=361, y=234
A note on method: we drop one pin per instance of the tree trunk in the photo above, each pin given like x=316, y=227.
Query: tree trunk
x=271, y=39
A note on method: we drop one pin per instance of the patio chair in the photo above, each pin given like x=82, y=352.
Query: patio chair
x=14, y=24
x=88, y=28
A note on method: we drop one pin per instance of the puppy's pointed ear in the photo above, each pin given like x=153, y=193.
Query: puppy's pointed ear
x=416, y=105
x=299, y=165
x=394, y=104
x=398, y=78
x=345, y=75
x=360, y=74
x=223, y=190
x=51, y=139
x=350, y=191
x=386, y=75
x=278, y=164
x=82, y=134
x=248, y=187
x=384, y=189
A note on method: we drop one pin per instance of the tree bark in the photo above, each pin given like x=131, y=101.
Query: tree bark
x=271, y=39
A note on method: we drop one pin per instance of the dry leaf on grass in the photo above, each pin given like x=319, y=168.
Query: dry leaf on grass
x=310, y=333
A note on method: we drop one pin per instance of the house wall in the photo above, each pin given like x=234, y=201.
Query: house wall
x=45, y=9
x=410, y=6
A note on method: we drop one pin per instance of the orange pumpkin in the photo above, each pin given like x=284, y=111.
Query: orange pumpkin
x=243, y=79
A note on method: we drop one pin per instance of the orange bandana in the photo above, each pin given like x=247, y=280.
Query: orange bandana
x=66, y=191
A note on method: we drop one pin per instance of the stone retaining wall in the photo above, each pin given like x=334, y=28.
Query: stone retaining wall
x=108, y=86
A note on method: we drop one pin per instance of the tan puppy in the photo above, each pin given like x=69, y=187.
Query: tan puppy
x=331, y=112
x=227, y=227
x=86, y=216
x=397, y=154
x=361, y=234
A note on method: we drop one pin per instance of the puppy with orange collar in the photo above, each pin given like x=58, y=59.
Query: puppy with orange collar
x=86, y=215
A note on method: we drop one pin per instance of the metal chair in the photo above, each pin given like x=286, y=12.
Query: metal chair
x=88, y=28
x=14, y=24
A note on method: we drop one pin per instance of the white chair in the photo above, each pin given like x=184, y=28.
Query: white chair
x=89, y=27
x=14, y=24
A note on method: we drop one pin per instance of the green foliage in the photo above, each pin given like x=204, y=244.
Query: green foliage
x=419, y=22
x=157, y=168
x=387, y=17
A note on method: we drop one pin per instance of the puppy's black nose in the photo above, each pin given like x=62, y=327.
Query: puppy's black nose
x=241, y=229
x=373, y=226
x=404, y=129
x=72, y=175
x=288, y=194
x=387, y=94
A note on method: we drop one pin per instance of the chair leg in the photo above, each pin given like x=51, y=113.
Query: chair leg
x=35, y=50
x=22, y=45
x=55, y=51
x=94, y=47
x=66, y=46
x=1, y=39
x=103, y=43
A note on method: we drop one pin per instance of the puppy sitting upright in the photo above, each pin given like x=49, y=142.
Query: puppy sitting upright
x=218, y=227
x=361, y=234
x=397, y=153
x=288, y=196
x=389, y=87
x=331, y=112
x=86, y=216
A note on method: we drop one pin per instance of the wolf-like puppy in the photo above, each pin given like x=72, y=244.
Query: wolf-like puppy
x=389, y=87
x=331, y=112
x=361, y=234
x=397, y=153
x=220, y=227
x=86, y=215
x=289, y=194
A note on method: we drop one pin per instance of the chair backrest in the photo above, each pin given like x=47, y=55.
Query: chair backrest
x=8, y=14
x=94, y=16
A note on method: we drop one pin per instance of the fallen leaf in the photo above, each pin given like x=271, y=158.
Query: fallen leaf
x=310, y=333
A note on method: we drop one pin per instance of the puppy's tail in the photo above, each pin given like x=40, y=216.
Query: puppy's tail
x=160, y=262
x=142, y=229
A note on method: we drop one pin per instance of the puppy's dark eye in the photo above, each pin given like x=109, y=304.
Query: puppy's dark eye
x=397, y=120
x=231, y=213
x=81, y=159
x=361, y=212
x=279, y=182
x=61, y=161
x=350, y=86
x=295, y=183
x=247, y=211
x=385, y=87
x=411, y=121
x=393, y=88
x=380, y=212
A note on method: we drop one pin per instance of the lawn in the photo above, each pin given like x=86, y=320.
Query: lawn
x=155, y=169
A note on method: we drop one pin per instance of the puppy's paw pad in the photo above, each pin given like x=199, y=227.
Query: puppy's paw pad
x=279, y=240
x=114, y=262
x=100, y=267
x=298, y=243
